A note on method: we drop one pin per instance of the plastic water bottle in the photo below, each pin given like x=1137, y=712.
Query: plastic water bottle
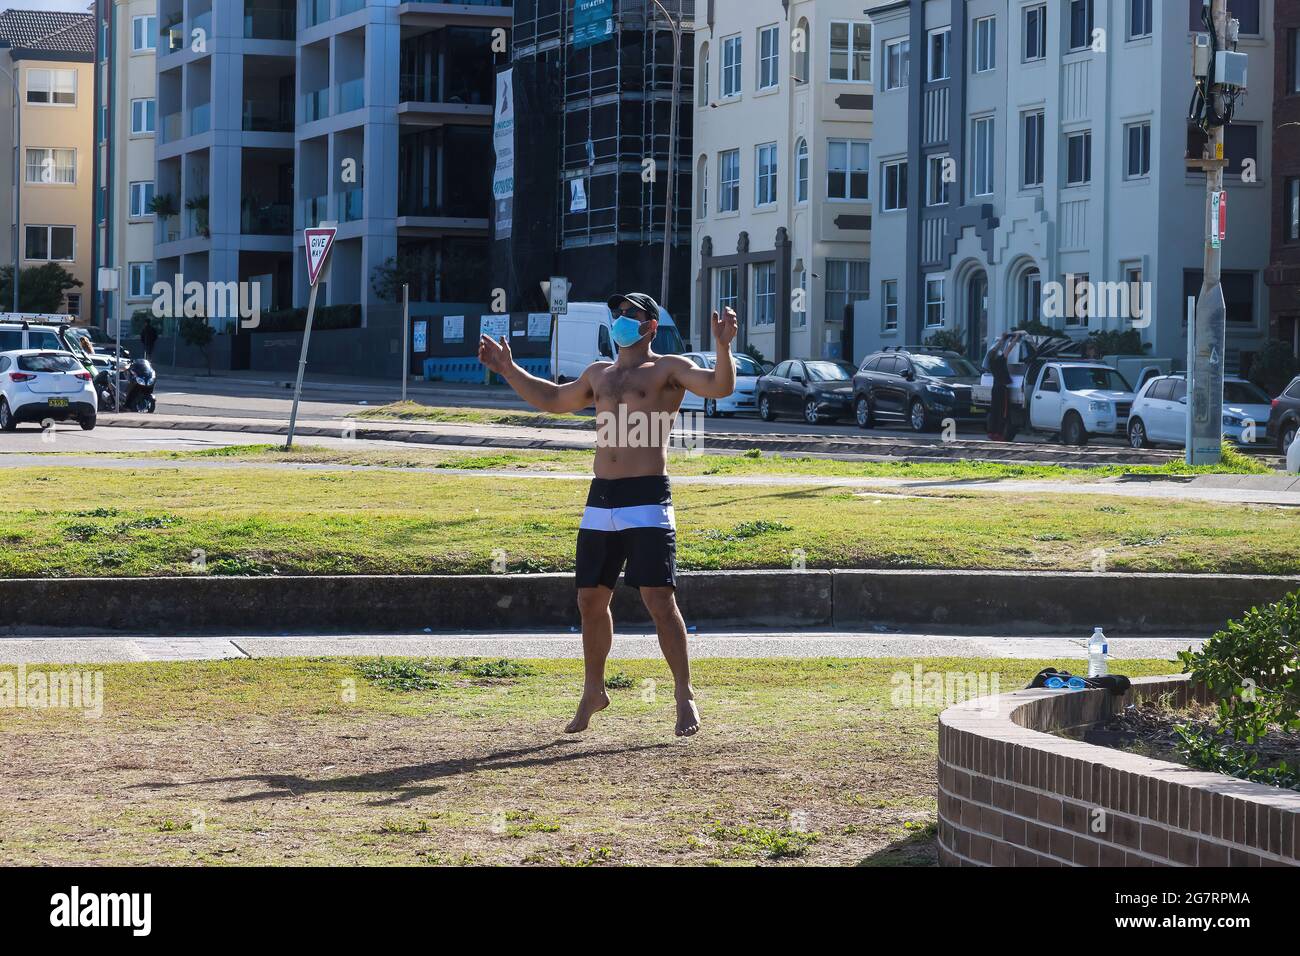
x=1098, y=648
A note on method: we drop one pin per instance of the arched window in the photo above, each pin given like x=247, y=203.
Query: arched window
x=702, y=72
x=802, y=56
x=801, y=170
x=1029, y=299
x=702, y=188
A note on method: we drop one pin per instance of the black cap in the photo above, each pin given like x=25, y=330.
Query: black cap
x=639, y=299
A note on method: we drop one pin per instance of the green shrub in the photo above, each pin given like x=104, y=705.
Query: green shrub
x=948, y=340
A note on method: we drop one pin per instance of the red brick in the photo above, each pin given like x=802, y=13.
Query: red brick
x=1182, y=849
x=1074, y=816
x=1111, y=855
x=1049, y=810
x=1062, y=845
x=1013, y=830
x=1087, y=852
x=1211, y=854
x=1155, y=839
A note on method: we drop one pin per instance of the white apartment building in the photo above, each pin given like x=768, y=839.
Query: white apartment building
x=783, y=199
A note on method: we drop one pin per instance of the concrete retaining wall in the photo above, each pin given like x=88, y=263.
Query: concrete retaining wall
x=1011, y=794
x=943, y=601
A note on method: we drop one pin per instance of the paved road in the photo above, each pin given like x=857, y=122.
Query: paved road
x=636, y=645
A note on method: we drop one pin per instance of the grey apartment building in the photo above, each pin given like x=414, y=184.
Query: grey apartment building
x=1021, y=143
x=275, y=116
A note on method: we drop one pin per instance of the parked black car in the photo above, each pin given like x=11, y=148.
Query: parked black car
x=816, y=390
x=917, y=387
x=1285, y=420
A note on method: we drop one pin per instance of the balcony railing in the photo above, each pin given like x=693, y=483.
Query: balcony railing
x=350, y=6
x=171, y=37
x=315, y=105
x=169, y=228
x=351, y=205
x=266, y=219
x=170, y=128
x=268, y=116
x=315, y=210
x=200, y=119
x=352, y=95
x=202, y=21
x=315, y=11
x=269, y=23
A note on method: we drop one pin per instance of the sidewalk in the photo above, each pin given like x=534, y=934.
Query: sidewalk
x=344, y=383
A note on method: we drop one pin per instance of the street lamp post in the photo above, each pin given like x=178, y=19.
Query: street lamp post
x=670, y=198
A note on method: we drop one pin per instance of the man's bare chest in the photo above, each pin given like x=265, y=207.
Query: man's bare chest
x=638, y=387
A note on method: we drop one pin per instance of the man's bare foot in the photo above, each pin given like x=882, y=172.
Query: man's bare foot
x=688, y=718
x=590, y=704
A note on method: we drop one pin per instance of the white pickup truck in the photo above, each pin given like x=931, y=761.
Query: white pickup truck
x=1056, y=394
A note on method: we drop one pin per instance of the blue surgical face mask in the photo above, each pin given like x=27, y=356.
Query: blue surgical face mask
x=626, y=332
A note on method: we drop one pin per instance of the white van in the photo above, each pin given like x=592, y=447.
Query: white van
x=585, y=337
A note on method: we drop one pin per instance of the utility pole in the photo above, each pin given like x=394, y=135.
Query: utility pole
x=670, y=194
x=1208, y=332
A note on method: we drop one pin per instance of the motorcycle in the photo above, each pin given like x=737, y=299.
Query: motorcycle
x=135, y=380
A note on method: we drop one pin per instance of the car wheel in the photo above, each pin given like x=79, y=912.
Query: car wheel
x=1072, y=430
x=917, y=417
x=810, y=413
x=862, y=412
x=710, y=408
x=1288, y=437
x=765, y=409
x=7, y=421
x=87, y=423
x=1137, y=434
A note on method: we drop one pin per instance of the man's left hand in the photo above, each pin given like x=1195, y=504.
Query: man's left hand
x=725, y=327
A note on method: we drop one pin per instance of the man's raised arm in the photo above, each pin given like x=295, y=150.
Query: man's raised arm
x=719, y=381
x=543, y=395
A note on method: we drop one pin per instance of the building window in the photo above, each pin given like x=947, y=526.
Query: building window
x=801, y=171
x=731, y=66
x=1137, y=138
x=1246, y=11
x=1078, y=158
x=1031, y=137
x=846, y=283
x=769, y=57
x=850, y=59
x=937, y=56
x=764, y=294
x=1291, y=211
x=1139, y=19
x=765, y=175
x=1240, y=143
x=799, y=316
x=702, y=188
x=74, y=303
x=1035, y=33
x=935, y=302
x=802, y=57
x=1081, y=22
x=726, y=289
x=982, y=157
x=1078, y=300
x=889, y=305
x=703, y=73
x=143, y=33
x=1293, y=67
x=51, y=166
x=141, y=197
x=51, y=244
x=937, y=192
x=1031, y=298
x=848, y=171
x=143, y=117
x=897, y=64
x=985, y=54
x=1238, y=293
x=52, y=87
x=729, y=180
x=894, y=176
x=141, y=285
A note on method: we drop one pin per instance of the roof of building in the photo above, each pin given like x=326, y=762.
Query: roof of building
x=49, y=31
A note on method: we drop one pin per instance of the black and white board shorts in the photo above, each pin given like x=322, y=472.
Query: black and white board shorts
x=628, y=522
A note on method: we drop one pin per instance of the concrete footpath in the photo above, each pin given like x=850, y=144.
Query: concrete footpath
x=629, y=644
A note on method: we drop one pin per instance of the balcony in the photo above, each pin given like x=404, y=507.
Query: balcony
x=169, y=130
x=169, y=228
x=351, y=205
x=315, y=105
x=269, y=23
x=266, y=219
x=268, y=116
x=315, y=12
x=200, y=119
x=171, y=38
x=352, y=95
x=315, y=210
x=350, y=6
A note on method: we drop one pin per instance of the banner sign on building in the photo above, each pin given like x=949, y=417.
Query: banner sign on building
x=453, y=328
x=503, y=141
x=593, y=22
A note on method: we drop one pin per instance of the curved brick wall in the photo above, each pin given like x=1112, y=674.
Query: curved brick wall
x=1012, y=794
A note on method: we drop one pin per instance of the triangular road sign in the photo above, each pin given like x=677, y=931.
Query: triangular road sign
x=319, y=242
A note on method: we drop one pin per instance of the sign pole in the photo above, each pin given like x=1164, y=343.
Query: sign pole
x=406, y=335
x=319, y=242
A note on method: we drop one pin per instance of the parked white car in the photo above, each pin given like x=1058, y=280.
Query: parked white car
x=1078, y=400
x=741, y=400
x=1160, y=412
x=41, y=386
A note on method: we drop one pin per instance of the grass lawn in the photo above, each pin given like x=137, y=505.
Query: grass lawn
x=251, y=520
x=354, y=762
x=434, y=414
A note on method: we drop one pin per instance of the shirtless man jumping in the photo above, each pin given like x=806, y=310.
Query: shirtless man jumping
x=629, y=521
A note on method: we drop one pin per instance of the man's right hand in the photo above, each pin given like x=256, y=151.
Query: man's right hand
x=495, y=355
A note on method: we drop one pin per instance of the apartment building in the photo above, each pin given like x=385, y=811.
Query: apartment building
x=783, y=198
x=592, y=83
x=51, y=57
x=1283, y=274
x=1029, y=151
x=126, y=123
x=275, y=116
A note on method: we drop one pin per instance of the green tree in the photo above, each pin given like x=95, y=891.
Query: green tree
x=195, y=331
x=42, y=288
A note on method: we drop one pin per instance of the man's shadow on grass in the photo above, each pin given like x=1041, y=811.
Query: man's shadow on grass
x=402, y=779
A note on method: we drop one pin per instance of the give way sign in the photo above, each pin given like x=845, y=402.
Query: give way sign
x=319, y=242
